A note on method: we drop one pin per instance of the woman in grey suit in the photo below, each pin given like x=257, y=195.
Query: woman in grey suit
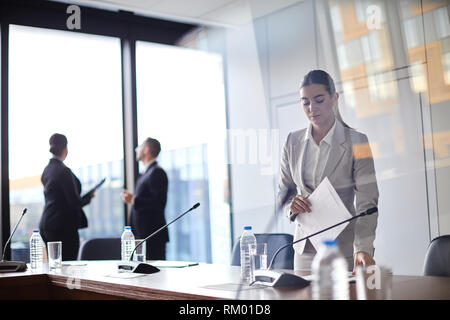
x=329, y=148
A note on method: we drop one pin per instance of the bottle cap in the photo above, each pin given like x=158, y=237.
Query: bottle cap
x=36, y=231
x=248, y=228
x=330, y=243
x=127, y=228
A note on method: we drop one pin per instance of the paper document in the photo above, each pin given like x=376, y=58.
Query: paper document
x=124, y=275
x=173, y=264
x=350, y=277
x=74, y=263
x=327, y=209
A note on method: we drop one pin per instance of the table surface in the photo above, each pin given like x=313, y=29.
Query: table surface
x=203, y=281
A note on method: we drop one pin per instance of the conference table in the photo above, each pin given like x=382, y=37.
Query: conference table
x=99, y=280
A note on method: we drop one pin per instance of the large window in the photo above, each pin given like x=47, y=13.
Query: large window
x=71, y=84
x=181, y=102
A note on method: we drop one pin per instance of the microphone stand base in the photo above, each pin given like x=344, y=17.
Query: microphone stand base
x=273, y=278
x=136, y=267
x=12, y=266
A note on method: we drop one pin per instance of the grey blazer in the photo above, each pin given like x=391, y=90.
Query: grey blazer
x=350, y=169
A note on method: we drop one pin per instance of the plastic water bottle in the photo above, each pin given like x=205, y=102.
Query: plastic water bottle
x=330, y=277
x=36, y=250
x=127, y=243
x=246, y=262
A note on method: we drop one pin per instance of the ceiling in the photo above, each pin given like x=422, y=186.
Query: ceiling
x=225, y=13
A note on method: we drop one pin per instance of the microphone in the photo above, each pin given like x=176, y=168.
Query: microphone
x=12, y=266
x=277, y=279
x=141, y=267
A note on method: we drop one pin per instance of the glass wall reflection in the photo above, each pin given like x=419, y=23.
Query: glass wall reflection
x=391, y=64
x=389, y=60
x=392, y=59
x=426, y=34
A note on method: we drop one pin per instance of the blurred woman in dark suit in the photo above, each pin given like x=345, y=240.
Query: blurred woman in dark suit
x=63, y=214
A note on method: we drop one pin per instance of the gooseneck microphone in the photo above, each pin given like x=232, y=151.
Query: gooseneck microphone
x=12, y=266
x=195, y=206
x=141, y=267
x=274, y=279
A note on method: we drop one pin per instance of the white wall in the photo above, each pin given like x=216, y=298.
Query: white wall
x=252, y=192
x=264, y=65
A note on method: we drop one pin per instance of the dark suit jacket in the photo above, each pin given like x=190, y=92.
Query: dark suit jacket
x=63, y=204
x=150, y=197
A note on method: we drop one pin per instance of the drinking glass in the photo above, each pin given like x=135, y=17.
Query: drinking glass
x=258, y=255
x=139, y=254
x=54, y=254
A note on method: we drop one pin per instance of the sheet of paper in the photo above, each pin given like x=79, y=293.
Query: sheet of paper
x=173, y=264
x=350, y=276
x=74, y=263
x=327, y=209
x=124, y=275
x=234, y=286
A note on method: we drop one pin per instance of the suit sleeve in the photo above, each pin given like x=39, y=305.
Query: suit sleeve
x=366, y=196
x=287, y=188
x=70, y=190
x=86, y=199
x=155, y=196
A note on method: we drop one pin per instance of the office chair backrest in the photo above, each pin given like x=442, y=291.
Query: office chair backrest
x=101, y=249
x=284, y=260
x=437, y=260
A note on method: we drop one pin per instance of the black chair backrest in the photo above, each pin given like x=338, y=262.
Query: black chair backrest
x=284, y=260
x=437, y=260
x=101, y=249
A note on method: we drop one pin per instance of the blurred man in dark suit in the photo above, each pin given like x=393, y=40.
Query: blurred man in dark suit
x=149, y=200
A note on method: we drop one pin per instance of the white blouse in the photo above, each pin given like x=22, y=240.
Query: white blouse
x=316, y=157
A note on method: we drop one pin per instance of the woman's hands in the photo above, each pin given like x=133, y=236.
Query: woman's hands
x=363, y=258
x=299, y=204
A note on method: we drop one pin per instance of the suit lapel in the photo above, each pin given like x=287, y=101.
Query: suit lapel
x=151, y=168
x=143, y=176
x=337, y=150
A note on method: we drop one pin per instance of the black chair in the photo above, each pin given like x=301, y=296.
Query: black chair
x=437, y=260
x=284, y=260
x=101, y=249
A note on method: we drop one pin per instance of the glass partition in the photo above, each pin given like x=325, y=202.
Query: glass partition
x=390, y=63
